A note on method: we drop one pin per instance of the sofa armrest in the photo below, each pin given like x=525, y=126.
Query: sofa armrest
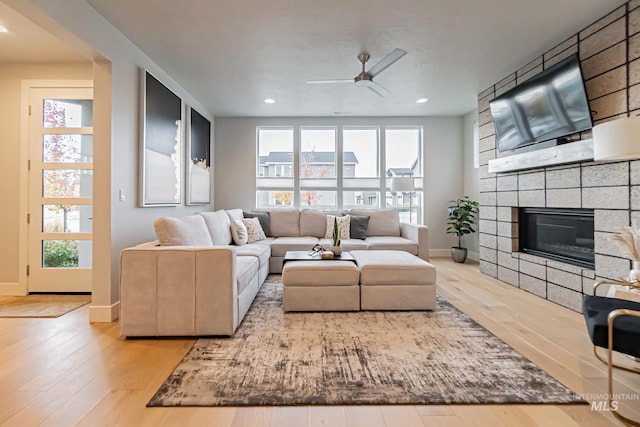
x=178, y=290
x=419, y=234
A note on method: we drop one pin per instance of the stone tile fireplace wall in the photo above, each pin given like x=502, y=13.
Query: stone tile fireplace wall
x=609, y=52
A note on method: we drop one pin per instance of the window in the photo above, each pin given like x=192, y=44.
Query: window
x=318, y=183
x=274, y=180
x=340, y=167
x=360, y=167
x=403, y=154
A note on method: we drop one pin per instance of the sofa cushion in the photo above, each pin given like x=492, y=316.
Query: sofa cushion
x=347, y=244
x=390, y=243
x=254, y=230
x=260, y=251
x=219, y=226
x=393, y=268
x=246, y=271
x=314, y=222
x=325, y=273
x=263, y=217
x=283, y=244
x=183, y=231
x=358, y=226
x=285, y=222
x=382, y=222
x=239, y=232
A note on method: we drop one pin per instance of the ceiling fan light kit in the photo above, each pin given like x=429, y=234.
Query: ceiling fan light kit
x=365, y=78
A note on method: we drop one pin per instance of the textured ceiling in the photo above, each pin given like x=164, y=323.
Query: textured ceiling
x=231, y=54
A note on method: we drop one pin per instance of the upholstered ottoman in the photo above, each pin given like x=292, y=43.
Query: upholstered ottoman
x=395, y=280
x=321, y=286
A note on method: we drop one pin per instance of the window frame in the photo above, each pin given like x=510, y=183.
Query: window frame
x=383, y=181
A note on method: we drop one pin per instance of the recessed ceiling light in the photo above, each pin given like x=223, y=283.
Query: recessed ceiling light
x=3, y=29
x=269, y=101
x=421, y=100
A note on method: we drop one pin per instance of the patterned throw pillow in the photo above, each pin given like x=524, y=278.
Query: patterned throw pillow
x=343, y=227
x=239, y=232
x=254, y=229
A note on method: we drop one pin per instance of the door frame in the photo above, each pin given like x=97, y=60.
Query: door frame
x=21, y=287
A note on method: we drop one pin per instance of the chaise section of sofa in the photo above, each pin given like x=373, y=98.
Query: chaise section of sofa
x=179, y=290
x=192, y=281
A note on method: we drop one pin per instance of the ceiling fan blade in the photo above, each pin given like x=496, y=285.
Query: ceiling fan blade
x=315, y=82
x=378, y=89
x=386, y=62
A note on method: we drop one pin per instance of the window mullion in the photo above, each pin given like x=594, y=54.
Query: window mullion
x=383, y=166
x=339, y=168
x=296, y=166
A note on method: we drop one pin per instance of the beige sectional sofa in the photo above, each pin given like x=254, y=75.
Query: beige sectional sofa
x=194, y=281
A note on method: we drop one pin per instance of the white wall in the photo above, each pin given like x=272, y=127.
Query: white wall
x=471, y=178
x=235, y=167
x=10, y=116
x=116, y=88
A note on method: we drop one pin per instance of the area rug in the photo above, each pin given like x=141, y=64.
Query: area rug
x=41, y=305
x=369, y=357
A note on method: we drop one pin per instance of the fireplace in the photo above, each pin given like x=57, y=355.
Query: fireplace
x=564, y=235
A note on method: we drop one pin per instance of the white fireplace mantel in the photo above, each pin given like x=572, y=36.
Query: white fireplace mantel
x=572, y=152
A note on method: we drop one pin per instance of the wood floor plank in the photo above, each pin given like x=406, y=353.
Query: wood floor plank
x=259, y=417
x=364, y=416
x=327, y=416
x=401, y=415
x=290, y=416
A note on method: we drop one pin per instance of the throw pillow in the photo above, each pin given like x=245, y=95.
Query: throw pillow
x=265, y=221
x=358, y=227
x=254, y=230
x=183, y=231
x=234, y=214
x=239, y=232
x=343, y=227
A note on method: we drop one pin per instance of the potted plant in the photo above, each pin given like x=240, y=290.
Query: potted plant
x=461, y=220
x=335, y=241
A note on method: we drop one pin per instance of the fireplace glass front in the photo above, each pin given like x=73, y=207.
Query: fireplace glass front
x=564, y=235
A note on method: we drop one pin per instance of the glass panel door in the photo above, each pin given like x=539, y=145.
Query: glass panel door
x=60, y=190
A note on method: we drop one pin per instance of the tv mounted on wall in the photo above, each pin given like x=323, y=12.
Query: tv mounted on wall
x=552, y=104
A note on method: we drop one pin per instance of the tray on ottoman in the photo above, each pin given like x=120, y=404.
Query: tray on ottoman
x=306, y=256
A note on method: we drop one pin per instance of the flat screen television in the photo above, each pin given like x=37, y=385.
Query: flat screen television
x=550, y=105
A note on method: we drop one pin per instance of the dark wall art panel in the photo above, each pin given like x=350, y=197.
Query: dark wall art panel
x=199, y=160
x=161, y=144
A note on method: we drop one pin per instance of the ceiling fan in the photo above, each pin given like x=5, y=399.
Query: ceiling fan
x=365, y=78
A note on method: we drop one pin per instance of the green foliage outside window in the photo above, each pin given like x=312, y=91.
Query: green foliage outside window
x=60, y=253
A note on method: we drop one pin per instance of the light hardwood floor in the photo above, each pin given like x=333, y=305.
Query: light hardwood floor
x=65, y=372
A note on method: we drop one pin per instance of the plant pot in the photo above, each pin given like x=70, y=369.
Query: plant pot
x=337, y=250
x=459, y=254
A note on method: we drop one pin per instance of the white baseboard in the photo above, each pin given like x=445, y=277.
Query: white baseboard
x=104, y=313
x=446, y=253
x=12, y=290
